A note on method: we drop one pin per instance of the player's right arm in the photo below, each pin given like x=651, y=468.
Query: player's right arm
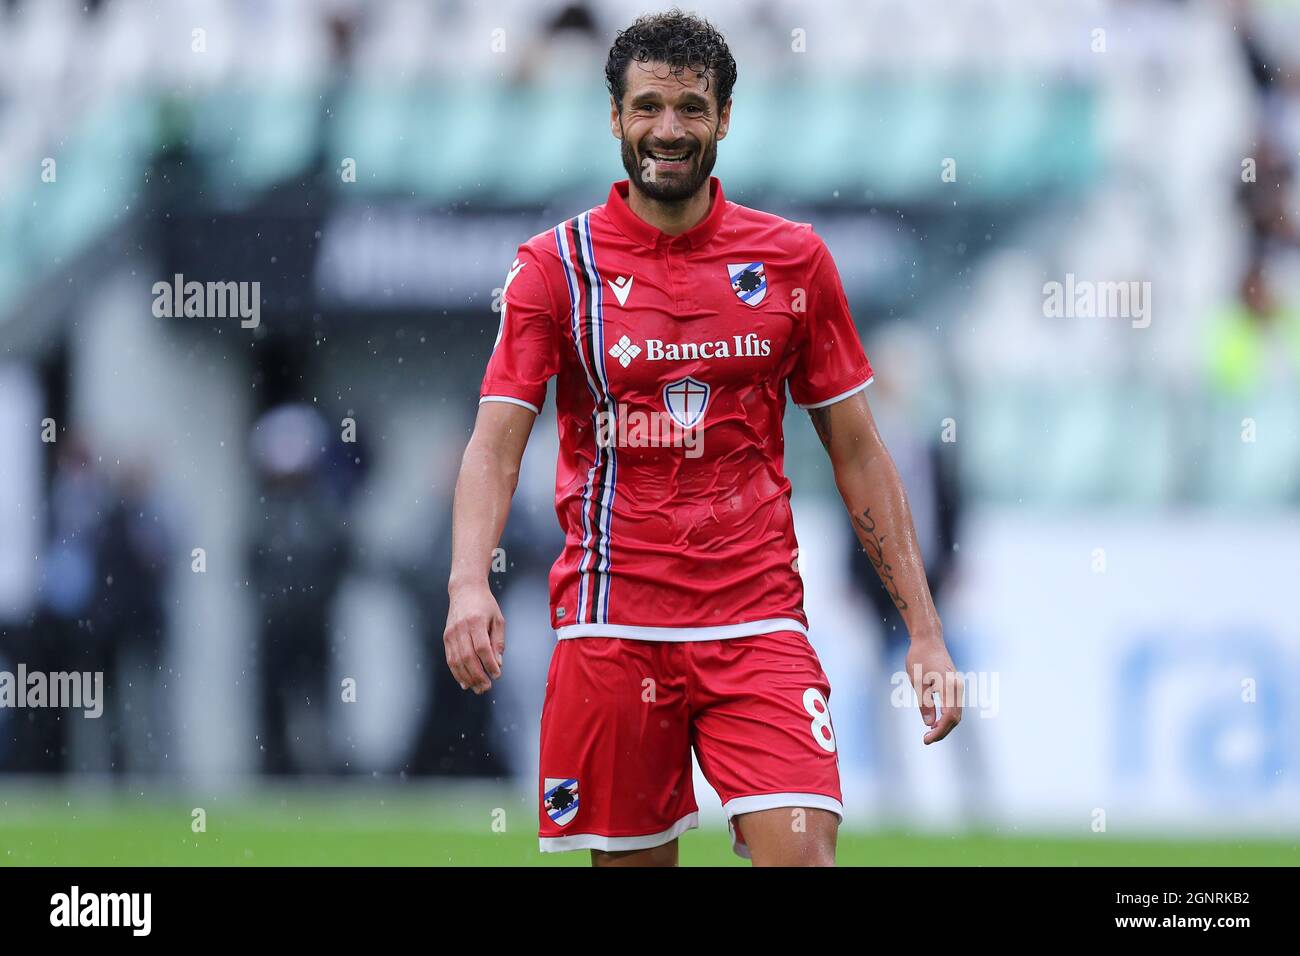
x=524, y=358
x=475, y=637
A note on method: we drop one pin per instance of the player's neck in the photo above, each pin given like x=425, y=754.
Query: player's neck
x=671, y=218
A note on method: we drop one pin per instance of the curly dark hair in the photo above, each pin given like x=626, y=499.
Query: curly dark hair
x=681, y=40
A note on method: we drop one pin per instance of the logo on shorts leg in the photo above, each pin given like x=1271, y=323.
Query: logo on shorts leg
x=560, y=799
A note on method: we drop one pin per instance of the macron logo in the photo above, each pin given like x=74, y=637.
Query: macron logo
x=516, y=267
x=621, y=287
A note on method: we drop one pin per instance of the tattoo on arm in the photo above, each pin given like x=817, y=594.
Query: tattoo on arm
x=874, y=545
x=821, y=420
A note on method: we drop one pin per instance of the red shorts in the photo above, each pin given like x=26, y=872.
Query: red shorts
x=622, y=716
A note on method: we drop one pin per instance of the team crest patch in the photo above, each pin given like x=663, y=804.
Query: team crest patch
x=560, y=799
x=748, y=281
x=686, y=399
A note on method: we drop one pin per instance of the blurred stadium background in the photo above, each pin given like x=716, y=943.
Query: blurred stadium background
x=1111, y=509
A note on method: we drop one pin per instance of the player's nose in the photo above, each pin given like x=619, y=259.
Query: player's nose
x=669, y=127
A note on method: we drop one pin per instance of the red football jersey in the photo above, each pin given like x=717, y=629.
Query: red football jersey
x=672, y=357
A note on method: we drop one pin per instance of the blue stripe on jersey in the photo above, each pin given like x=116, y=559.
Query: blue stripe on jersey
x=579, y=322
x=611, y=411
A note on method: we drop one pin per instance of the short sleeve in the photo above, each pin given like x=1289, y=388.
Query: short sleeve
x=831, y=364
x=526, y=353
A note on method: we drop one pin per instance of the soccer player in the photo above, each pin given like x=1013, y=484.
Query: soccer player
x=673, y=322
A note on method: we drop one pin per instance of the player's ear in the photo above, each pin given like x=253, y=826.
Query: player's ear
x=724, y=120
x=615, y=126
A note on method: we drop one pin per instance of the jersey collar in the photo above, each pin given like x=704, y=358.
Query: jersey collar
x=637, y=229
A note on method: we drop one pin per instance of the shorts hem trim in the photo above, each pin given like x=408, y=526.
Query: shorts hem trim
x=594, y=841
x=774, y=801
x=717, y=632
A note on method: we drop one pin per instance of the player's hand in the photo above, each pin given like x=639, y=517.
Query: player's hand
x=935, y=679
x=475, y=638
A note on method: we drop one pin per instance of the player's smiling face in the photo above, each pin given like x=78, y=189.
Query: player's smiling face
x=669, y=126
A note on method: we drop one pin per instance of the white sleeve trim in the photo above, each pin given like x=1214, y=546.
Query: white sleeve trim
x=511, y=401
x=840, y=397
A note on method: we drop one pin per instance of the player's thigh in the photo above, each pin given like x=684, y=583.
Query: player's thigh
x=663, y=855
x=789, y=836
x=615, y=768
x=762, y=726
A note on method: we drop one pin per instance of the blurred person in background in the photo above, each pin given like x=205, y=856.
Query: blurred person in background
x=135, y=542
x=1254, y=341
x=1252, y=364
x=457, y=735
x=568, y=35
x=65, y=636
x=928, y=467
x=299, y=553
x=1267, y=197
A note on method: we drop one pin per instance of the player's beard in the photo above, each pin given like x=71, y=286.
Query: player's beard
x=670, y=189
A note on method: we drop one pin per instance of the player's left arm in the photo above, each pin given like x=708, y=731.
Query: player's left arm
x=873, y=492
